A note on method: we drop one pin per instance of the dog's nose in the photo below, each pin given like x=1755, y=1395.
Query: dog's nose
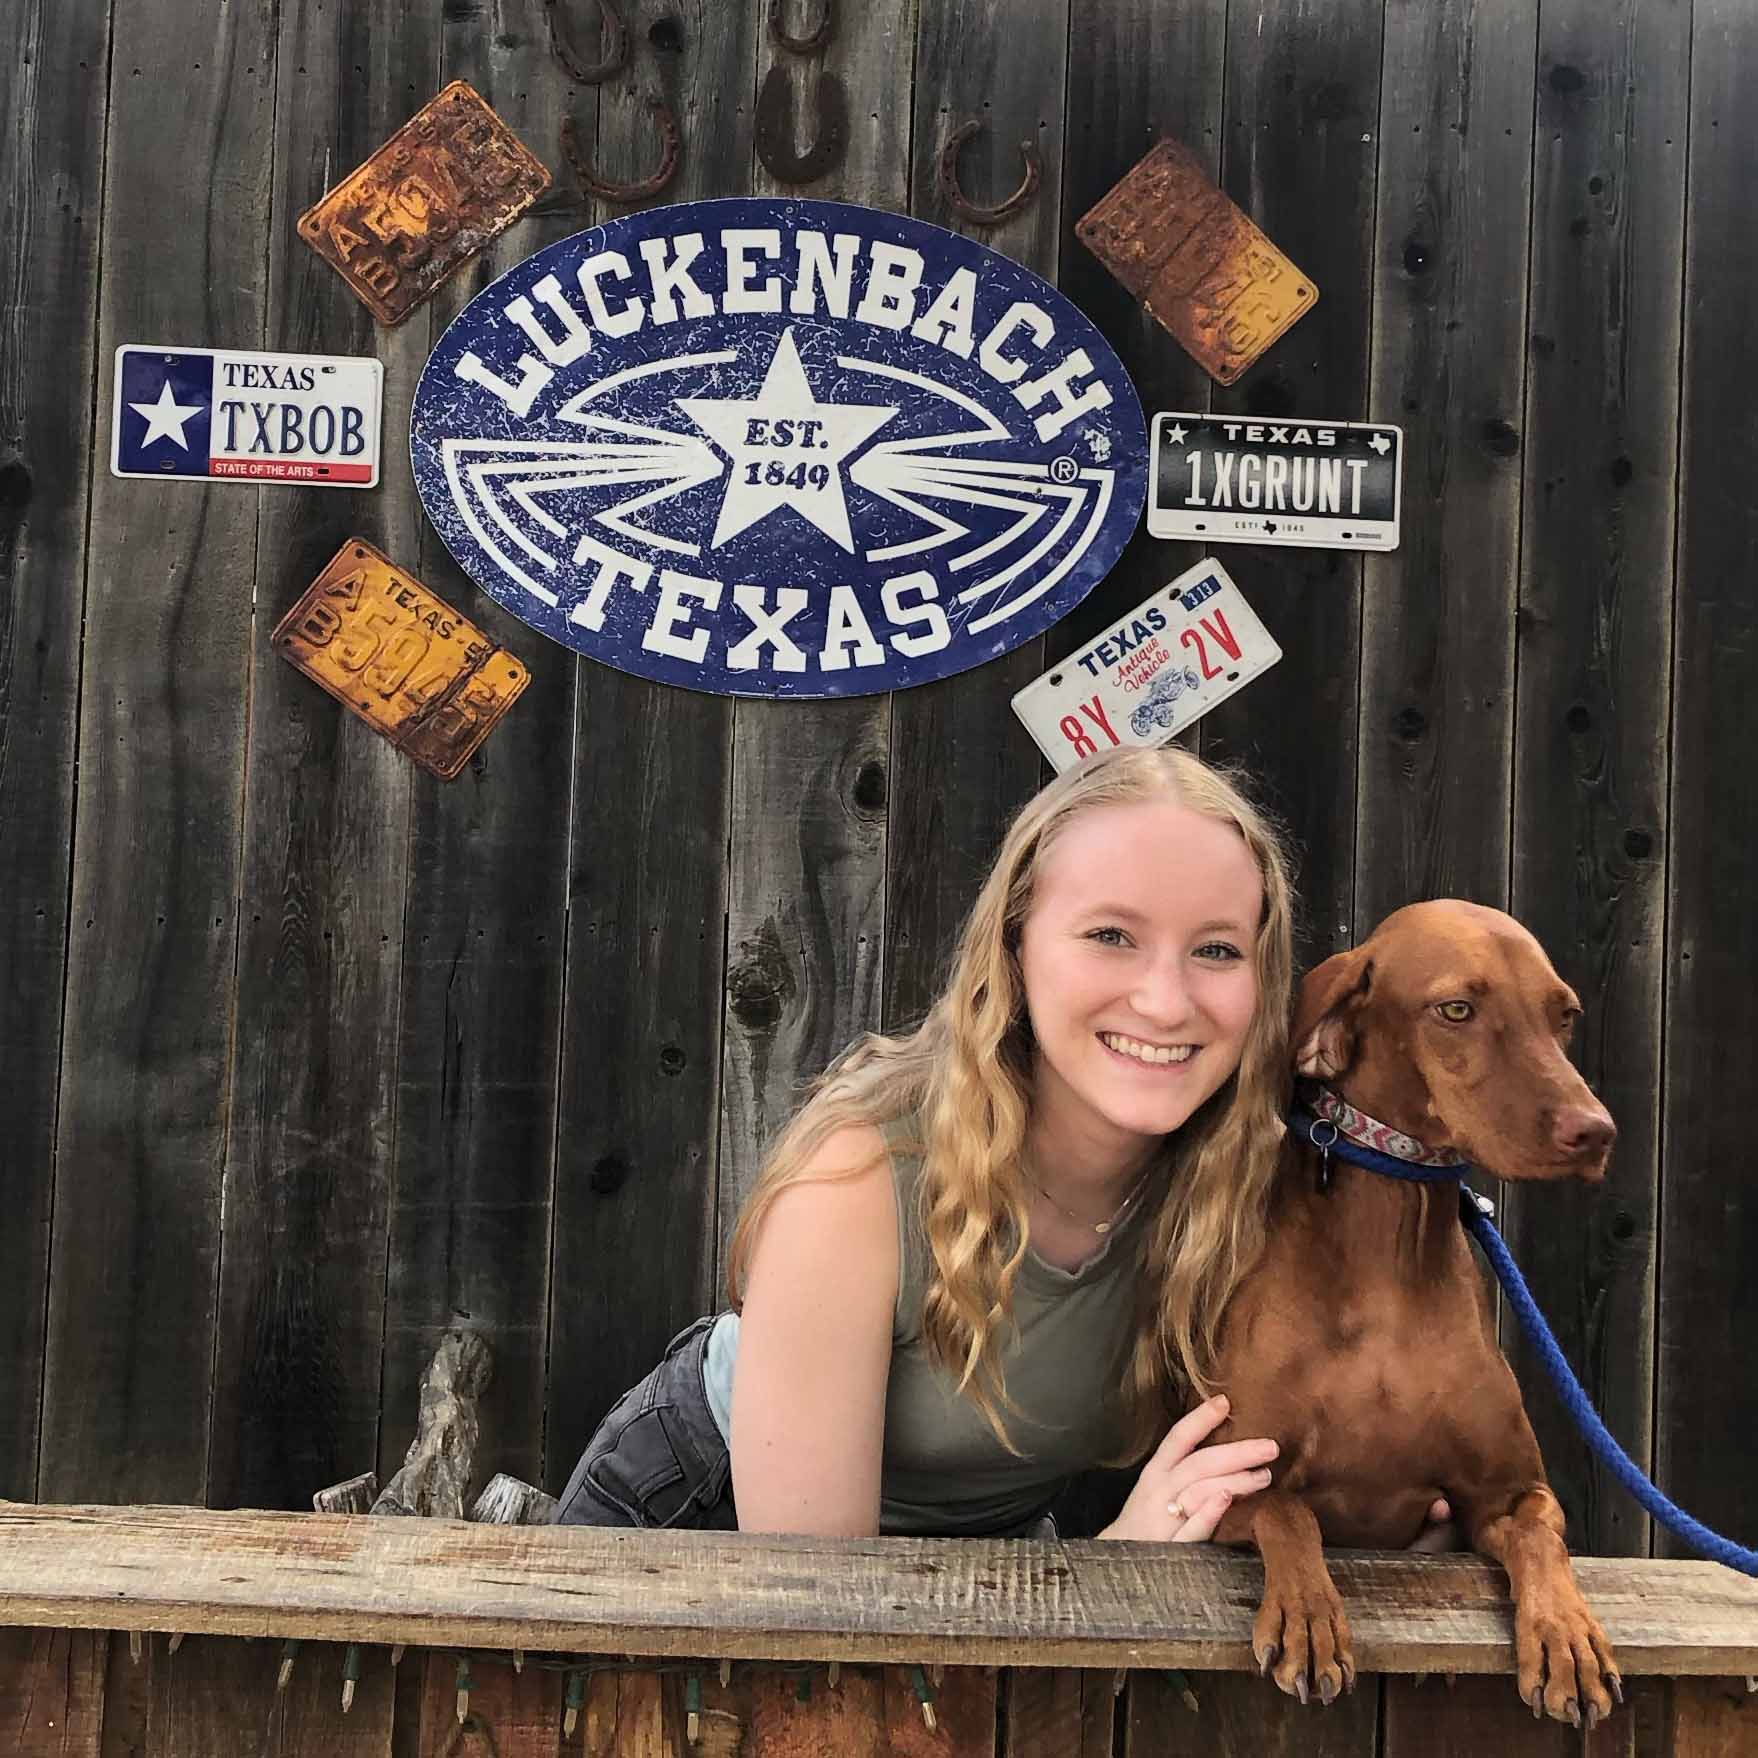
x=1584, y=1132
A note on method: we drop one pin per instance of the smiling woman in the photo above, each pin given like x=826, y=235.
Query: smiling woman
x=992, y=1252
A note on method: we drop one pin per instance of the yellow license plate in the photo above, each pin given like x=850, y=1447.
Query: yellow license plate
x=445, y=184
x=1196, y=261
x=408, y=664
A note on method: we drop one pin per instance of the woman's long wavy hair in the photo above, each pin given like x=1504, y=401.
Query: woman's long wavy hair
x=967, y=1071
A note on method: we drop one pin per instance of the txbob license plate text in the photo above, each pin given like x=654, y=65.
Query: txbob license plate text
x=1165, y=664
x=1233, y=479
x=243, y=415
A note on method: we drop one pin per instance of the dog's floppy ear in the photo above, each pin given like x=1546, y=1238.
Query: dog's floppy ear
x=1324, y=1022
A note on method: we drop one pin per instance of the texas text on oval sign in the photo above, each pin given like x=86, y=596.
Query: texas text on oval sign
x=1249, y=479
x=779, y=448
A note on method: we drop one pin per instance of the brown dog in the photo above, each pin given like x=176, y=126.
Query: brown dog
x=1363, y=1341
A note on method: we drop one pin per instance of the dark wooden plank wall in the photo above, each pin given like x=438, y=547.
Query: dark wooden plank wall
x=52, y=177
x=1706, y=1409
x=347, y=1052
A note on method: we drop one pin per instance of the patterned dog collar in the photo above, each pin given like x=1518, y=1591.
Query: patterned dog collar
x=1357, y=1126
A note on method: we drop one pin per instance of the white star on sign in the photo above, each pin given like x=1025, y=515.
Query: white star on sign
x=785, y=426
x=1380, y=444
x=166, y=417
x=1175, y=433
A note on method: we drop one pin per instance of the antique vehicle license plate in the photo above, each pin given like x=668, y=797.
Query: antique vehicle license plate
x=408, y=664
x=1165, y=664
x=1242, y=479
x=243, y=415
x=440, y=189
x=1196, y=260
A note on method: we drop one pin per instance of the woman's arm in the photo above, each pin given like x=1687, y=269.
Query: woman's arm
x=808, y=1408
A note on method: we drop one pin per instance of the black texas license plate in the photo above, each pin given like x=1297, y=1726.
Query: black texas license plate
x=1244, y=479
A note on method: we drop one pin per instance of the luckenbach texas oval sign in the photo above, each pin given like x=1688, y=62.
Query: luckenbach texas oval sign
x=779, y=448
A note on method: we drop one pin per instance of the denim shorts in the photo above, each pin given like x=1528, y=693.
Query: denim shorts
x=658, y=1458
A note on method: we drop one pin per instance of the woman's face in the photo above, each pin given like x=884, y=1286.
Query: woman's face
x=1137, y=957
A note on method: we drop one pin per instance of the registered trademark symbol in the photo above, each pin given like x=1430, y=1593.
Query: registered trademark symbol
x=1063, y=469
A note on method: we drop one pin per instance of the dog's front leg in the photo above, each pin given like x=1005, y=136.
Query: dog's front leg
x=1561, y=1654
x=1301, y=1636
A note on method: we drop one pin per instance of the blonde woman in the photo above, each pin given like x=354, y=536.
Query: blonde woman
x=993, y=1252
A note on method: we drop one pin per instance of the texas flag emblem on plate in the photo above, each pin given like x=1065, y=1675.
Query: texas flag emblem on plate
x=246, y=416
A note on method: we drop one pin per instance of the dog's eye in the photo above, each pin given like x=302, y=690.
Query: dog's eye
x=1455, y=1012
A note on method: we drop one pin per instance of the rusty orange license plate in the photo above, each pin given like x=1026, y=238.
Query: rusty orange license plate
x=408, y=664
x=1196, y=261
x=445, y=184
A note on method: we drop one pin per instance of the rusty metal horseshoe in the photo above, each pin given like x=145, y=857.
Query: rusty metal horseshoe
x=594, y=184
x=615, y=35
x=809, y=44
x=961, y=204
x=775, y=128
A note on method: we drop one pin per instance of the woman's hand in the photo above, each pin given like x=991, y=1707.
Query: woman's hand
x=1185, y=1488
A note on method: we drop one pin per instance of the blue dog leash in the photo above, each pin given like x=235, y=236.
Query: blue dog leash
x=1474, y=1211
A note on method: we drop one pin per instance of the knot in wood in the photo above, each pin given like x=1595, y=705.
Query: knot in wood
x=759, y=984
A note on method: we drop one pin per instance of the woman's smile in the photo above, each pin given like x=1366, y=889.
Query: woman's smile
x=1169, y=1058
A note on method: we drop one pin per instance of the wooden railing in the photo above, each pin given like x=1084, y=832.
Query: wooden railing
x=166, y=1630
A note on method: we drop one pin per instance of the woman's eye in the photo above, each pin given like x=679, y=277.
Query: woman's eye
x=1109, y=936
x=1455, y=1012
x=1220, y=951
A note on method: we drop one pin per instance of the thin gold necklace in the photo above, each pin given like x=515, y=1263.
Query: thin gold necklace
x=1104, y=1226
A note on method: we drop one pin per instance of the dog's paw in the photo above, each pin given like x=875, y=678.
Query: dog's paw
x=1301, y=1640
x=1564, y=1662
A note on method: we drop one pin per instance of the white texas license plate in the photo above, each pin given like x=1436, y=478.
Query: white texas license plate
x=1241, y=479
x=243, y=415
x=1165, y=664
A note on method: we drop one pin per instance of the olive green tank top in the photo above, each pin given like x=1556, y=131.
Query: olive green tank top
x=944, y=1471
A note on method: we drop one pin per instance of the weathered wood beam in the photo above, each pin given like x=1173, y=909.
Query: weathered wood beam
x=969, y=1601
x=354, y=1495
x=506, y=1501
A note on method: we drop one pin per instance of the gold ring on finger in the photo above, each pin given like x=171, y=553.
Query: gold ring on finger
x=1176, y=1510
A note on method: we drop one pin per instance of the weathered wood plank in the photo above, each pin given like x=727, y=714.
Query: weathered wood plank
x=134, y=1695
x=1464, y=1718
x=1246, y=1717
x=52, y=1692
x=1437, y=630
x=1300, y=119
x=1137, y=72
x=1706, y=1415
x=963, y=1710
x=775, y=1712
x=515, y=1714
x=1595, y=640
x=641, y=1047
x=296, y=1389
x=961, y=764
x=141, y=1137
x=1710, y=1718
x=485, y=928
x=217, y=1698
x=973, y=1602
x=52, y=100
x=806, y=862
x=1057, y=1712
